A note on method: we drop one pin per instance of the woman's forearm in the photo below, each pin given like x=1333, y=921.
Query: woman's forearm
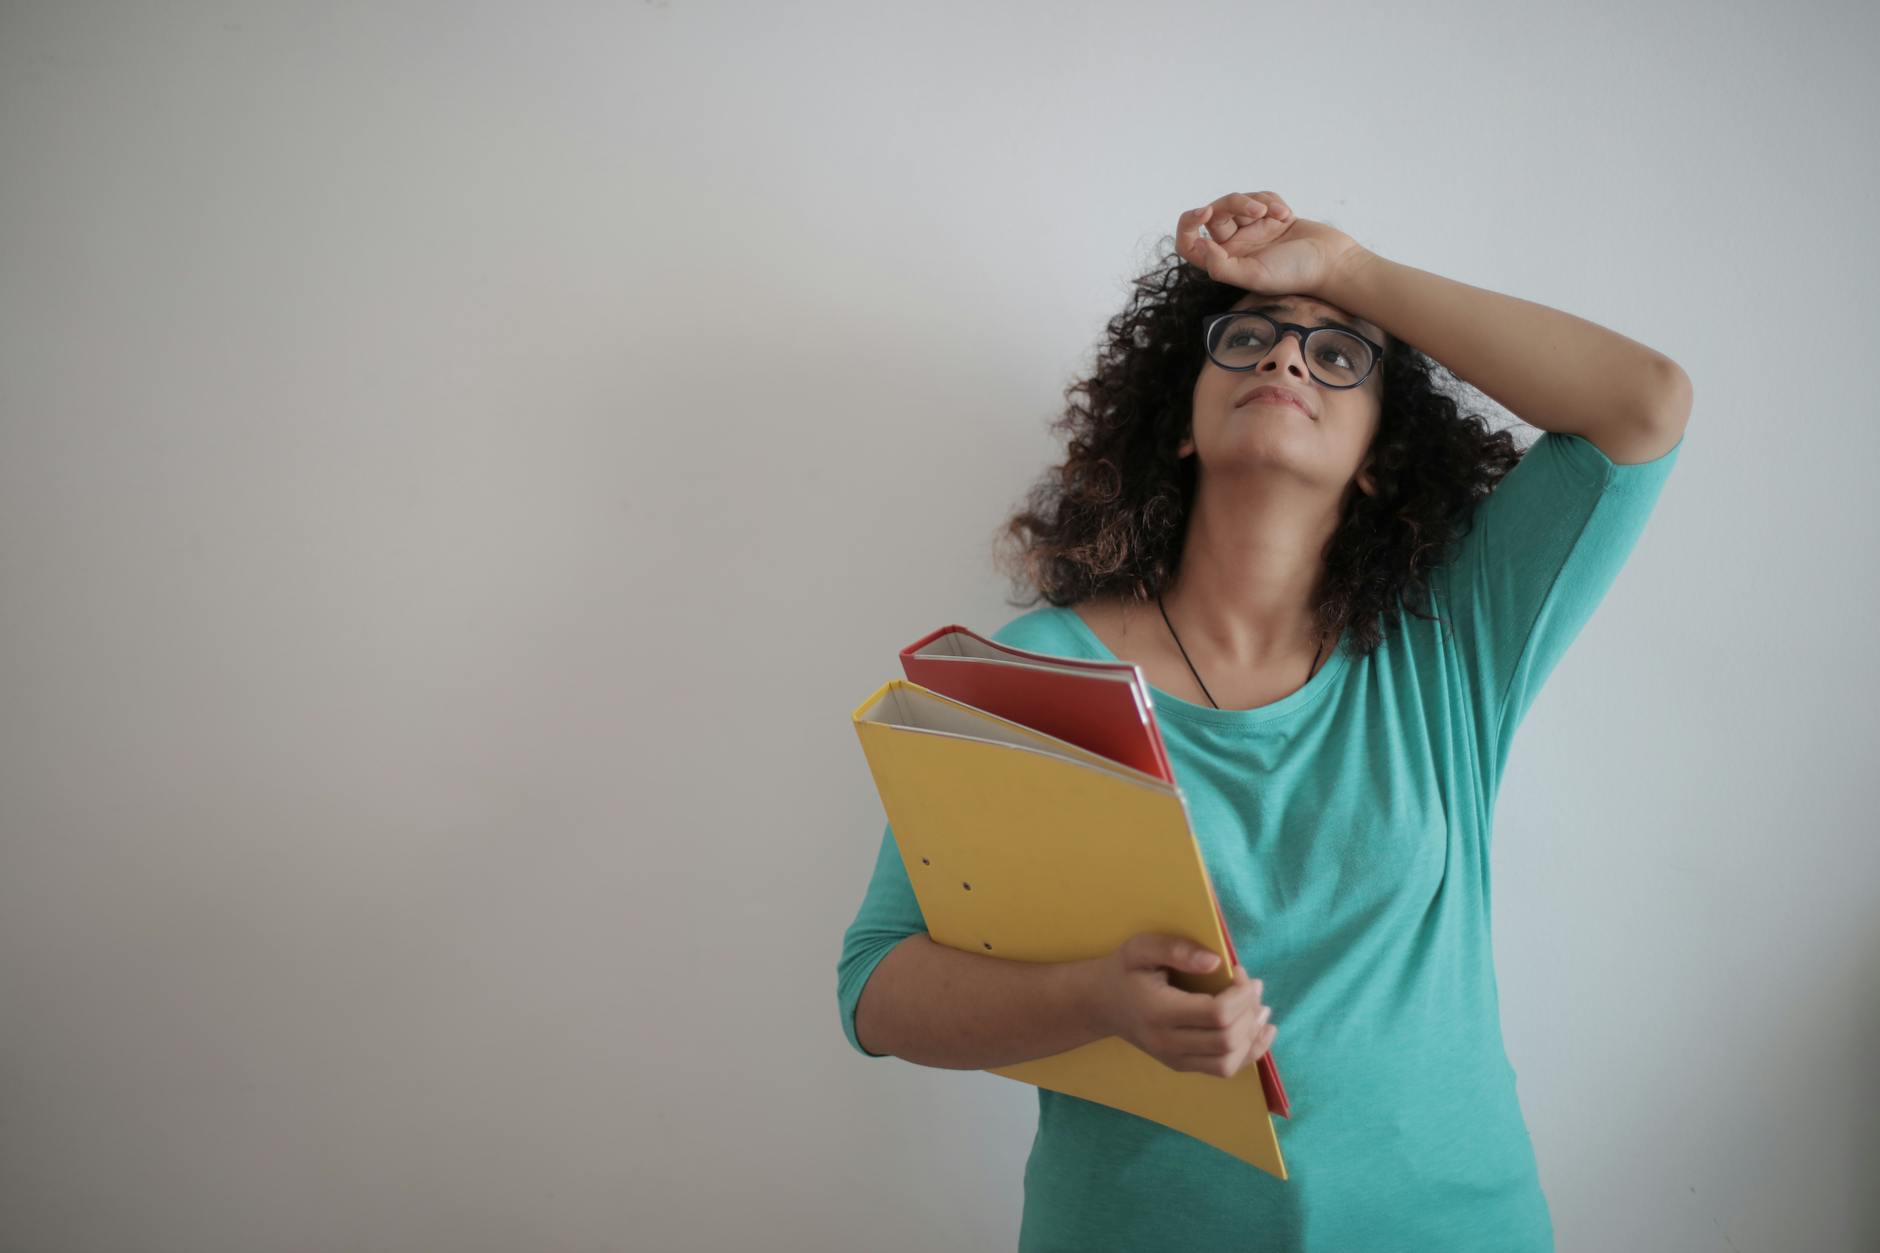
x=1550, y=369
x=938, y=1006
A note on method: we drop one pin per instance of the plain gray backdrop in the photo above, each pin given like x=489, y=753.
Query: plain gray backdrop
x=461, y=466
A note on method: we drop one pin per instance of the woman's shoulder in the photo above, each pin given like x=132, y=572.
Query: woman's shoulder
x=1048, y=629
x=1098, y=629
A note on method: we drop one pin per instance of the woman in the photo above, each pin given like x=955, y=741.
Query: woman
x=1345, y=594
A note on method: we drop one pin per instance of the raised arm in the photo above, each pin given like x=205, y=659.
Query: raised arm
x=1551, y=369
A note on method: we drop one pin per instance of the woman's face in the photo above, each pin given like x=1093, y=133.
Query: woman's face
x=1326, y=442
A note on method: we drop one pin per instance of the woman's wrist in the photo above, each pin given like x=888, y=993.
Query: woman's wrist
x=1090, y=993
x=1345, y=273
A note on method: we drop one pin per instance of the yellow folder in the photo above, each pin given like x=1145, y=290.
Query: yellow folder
x=1026, y=847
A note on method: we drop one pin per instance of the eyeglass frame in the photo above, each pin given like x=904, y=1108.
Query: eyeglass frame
x=1305, y=345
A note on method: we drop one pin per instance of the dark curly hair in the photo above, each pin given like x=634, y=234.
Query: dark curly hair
x=1112, y=517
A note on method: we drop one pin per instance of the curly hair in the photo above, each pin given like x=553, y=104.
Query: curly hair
x=1111, y=518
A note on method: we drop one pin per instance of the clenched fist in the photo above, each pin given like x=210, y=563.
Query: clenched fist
x=1214, y=1035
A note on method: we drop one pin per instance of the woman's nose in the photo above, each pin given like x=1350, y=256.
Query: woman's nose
x=1288, y=352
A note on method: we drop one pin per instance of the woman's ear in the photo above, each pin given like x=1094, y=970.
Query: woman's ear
x=1186, y=447
x=1366, y=483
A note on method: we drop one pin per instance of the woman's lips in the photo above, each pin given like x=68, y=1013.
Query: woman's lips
x=1269, y=398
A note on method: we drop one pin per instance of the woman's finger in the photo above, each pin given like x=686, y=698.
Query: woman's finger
x=1262, y=1041
x=1188, y=238
x=1280, y=210
x=1244, y=1056
x=1244, y=211
x=1201, y=248
x=1232, y=213
x=1236, y=1004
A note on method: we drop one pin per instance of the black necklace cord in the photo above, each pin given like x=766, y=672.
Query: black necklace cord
x=1191, y=665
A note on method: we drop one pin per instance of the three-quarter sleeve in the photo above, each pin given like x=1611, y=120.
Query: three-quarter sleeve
x=889, y=913
x=1542, y=549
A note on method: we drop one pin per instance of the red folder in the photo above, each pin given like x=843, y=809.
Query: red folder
x=1103, y=706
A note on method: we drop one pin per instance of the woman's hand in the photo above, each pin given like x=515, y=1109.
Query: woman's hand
x=1214, y=1035
x=1257, y=243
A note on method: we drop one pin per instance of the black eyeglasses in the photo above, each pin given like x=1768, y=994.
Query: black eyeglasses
x=1237, y=340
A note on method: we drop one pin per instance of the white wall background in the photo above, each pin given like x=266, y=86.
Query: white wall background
x=461, y=465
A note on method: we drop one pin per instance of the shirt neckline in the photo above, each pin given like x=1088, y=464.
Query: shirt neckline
x=1169, y=705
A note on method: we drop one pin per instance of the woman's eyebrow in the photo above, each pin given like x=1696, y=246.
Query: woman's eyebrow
x=1278, y=307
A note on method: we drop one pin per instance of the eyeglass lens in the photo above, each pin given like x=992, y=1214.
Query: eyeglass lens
x=1331, y=355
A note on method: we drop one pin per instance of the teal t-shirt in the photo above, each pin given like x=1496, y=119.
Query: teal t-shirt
x=1346, y=828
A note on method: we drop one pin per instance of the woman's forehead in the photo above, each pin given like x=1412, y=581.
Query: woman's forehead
x=1306, y=309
